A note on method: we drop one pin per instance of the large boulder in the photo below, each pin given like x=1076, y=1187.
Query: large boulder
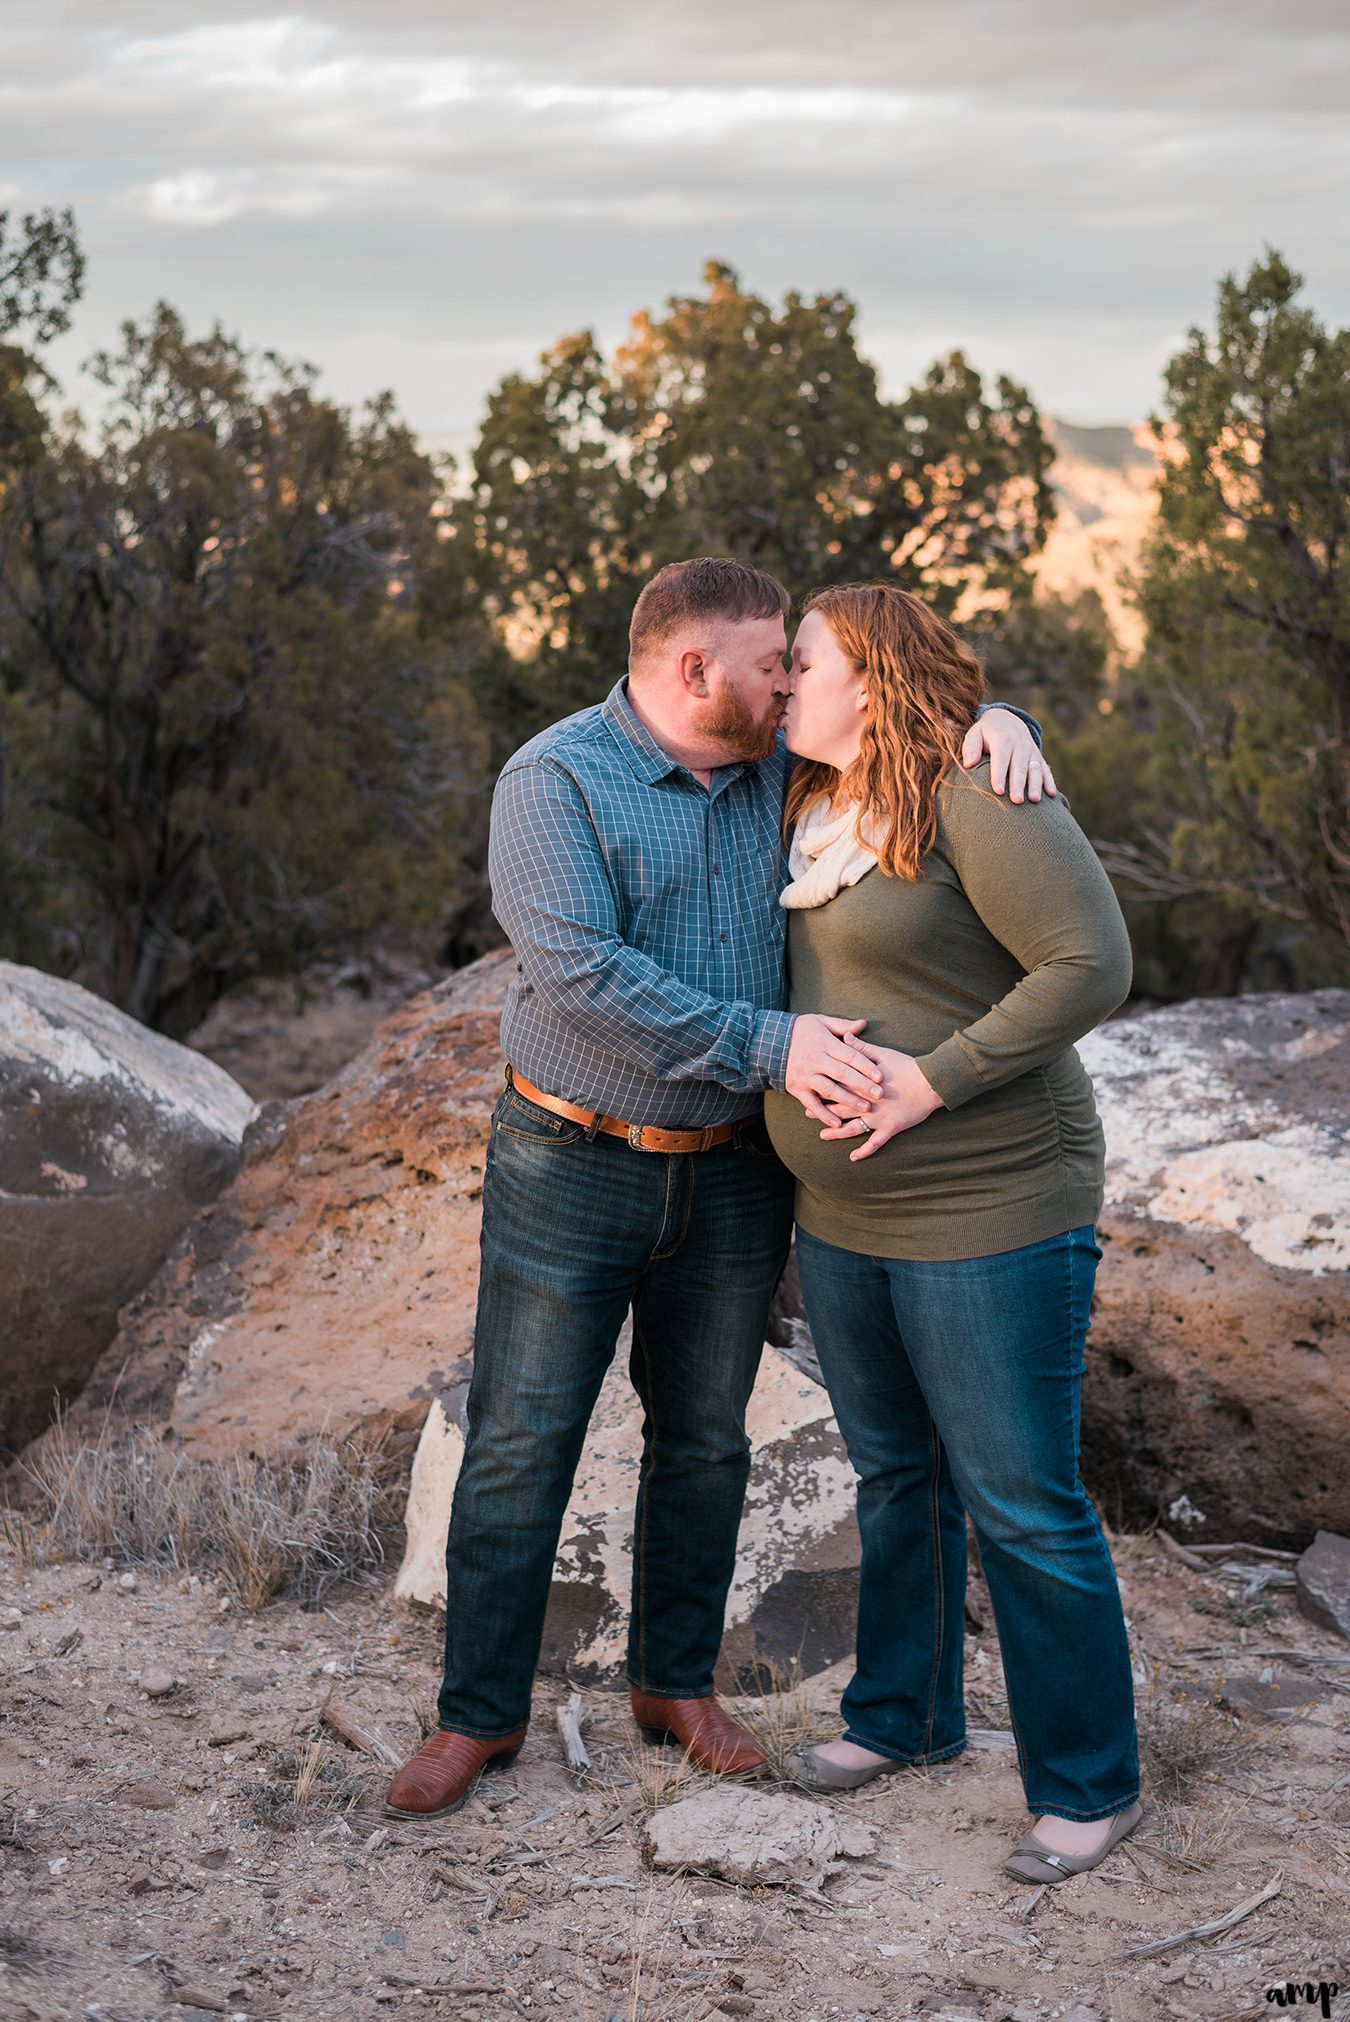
x=331, y=1291
x=1217, y=1394
x=793, y=1600
x=111, y=1139
x=333, y=1284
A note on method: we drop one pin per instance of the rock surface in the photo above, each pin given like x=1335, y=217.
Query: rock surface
x=755, y=1838
x=111, y=1139
x=332, y=1286
x=794, y=1598
x=1218, y=1381
x=1322, y=1582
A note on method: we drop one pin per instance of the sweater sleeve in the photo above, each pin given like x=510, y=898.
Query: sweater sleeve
x=1034, y=879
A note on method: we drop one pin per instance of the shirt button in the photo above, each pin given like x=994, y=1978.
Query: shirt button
x=717, y=870
x=721, y=937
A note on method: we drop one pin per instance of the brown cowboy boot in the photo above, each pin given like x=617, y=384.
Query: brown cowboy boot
x=703, y=1728
x=445, y=1771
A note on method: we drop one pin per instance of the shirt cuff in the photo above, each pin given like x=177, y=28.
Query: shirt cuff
x=949, y=1072
x=769, y=1047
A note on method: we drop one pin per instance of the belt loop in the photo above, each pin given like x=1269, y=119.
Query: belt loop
x=593, y=1127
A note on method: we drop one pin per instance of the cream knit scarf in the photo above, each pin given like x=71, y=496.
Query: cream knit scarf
x=825, y=855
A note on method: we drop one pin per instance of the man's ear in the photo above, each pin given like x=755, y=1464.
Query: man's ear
x=694, y=670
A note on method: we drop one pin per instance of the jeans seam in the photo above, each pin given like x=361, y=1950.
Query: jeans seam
x=655, y=1692
x=923, y=1755
x=662, y=1253
x=1111, y=1810
x=935, y=1515
x=640, y=1527
x=481, y=1733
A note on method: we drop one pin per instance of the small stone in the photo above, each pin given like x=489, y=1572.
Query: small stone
x=150, y=1796
x=1277, y=1699
x=754, y=1837
x=1322, y=1582
x=12, y=1618
x=157, y=1684
x=127, y=1582
x=225, y=1730
x=395, y=1938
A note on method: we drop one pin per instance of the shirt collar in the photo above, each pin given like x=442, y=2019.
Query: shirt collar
x=650, y=761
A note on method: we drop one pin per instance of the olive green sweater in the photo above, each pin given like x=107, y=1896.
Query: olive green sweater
x=1008, y=947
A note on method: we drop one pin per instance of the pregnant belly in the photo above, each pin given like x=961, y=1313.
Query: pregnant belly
x=1001, y=1145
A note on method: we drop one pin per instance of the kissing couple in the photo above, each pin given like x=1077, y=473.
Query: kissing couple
x=813, y=935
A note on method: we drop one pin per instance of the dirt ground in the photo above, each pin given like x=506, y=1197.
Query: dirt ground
x=206, y=1851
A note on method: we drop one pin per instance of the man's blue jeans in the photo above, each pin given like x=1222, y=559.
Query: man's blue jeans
x=575, y=1232
x=958, y=1384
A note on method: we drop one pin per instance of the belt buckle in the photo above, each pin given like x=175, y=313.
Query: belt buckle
x=635, y=1131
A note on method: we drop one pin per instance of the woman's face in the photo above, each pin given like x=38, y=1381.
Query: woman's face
x=828, y=704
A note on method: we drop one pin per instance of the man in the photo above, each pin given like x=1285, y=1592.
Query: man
x=636, y=862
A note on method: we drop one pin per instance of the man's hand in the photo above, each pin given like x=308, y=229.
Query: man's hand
x=827, y=1063
x=906, y=1099
x=1014, y=759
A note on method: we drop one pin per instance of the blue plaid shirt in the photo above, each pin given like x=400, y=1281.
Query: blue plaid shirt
x=643, y=911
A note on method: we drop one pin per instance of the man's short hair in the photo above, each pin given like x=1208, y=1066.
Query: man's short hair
x=710, y=586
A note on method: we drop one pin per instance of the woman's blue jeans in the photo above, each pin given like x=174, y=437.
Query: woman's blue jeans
x=956, y=1387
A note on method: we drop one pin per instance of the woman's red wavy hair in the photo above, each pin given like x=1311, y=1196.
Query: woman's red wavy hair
x=923, y=687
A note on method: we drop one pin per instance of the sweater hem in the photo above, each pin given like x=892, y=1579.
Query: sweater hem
x=956, y=1236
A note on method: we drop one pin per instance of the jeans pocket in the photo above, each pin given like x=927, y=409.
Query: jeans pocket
x=752, y=1136
x=530, y=1123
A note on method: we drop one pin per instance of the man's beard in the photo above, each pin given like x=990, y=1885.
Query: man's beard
x=730, y=722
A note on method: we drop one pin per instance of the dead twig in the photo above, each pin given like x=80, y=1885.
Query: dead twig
x=1176, y=1860
x=617, y=1818
x=369, y=1741
x=1182, y=1552
x=569, y=1726
x=1242, y=1550
x=1211, y=1929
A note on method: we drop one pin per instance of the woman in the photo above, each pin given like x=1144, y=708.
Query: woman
x=947, y=1262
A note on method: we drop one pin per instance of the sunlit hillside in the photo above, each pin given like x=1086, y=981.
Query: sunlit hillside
x=1104, y=483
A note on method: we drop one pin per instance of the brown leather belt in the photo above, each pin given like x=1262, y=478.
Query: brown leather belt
x=642, y=1136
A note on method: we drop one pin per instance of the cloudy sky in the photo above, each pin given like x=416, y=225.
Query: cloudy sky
x=422, y=194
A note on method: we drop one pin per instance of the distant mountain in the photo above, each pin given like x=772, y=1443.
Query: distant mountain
x=1104, y=483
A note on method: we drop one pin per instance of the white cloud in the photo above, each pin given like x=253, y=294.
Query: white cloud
x=1055, y=187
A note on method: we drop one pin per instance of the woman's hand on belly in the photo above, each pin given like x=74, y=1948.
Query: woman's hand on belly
x=906, y=1098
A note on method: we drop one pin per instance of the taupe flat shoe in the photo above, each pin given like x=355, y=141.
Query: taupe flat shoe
x=1032, y=1862
x=819, y=1774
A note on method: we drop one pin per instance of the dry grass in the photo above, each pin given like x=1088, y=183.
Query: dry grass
x=1184, y=1743
x=304, y=1790
x=425, y=1716
x=1197, y=1833
x=1187, y=1745
x=14, y=1837
x=302, y=1522
x=783, y=1722
x=21, y=1952
x=661, y=1775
